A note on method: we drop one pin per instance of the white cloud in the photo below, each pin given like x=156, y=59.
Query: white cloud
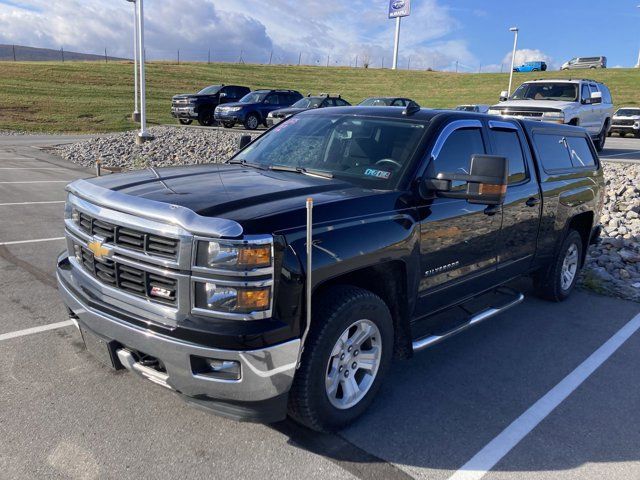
x=316, y=28
x=527, y=55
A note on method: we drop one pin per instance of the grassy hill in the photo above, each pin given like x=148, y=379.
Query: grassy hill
x=36, y=54
x=93, y=97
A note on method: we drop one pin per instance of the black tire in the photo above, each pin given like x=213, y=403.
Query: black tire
x=602, y=137
x=252, y=121
x=205, y=118
x=548, y=282
x=228, y=124
x=334, y=311
x=637, y=134
x=185, y=121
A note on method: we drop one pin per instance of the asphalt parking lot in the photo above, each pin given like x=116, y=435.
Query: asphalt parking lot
x=543, y=390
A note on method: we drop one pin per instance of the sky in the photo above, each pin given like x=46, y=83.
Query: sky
x=439, y=33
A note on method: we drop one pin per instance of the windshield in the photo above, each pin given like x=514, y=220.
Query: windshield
x=376, y=102
x=370, y=152
x=308, y=103
x=253, y=97
x=566, y=92
x=213, y=89
x=628, y=112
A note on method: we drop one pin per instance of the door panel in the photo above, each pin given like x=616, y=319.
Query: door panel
x=457, y=239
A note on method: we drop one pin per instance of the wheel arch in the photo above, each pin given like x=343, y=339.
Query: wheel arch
x=583, y=224
x=389, y=281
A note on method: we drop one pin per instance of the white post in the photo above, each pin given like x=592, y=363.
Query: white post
x=638, y=62
x=396, y=45
x=513, y=57
x=136, y=113
x=143, y=136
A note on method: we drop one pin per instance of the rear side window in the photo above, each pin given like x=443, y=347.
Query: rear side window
x=507, y=144
x=606, y=94
x=456, y=153
x=581, y=155
x=553, y=152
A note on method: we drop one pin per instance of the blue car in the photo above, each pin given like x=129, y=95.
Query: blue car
x=252, y=109
x=531, y=67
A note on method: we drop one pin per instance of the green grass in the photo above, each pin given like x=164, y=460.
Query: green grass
x=95, y=97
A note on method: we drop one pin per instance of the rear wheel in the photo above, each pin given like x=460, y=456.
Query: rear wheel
x=185, y=121
x=556, y=282
x=228, y=124
x=602, y=137
x=205, y=118
x=346, y=355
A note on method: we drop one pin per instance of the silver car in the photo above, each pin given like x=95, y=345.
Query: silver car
x=585, y=62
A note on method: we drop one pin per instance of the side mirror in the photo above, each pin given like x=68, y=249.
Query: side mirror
x=504, y=96
x=243, y=141
x=486, y=182
x=596, y=97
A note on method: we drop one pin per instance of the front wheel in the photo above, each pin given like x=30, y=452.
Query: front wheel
x=602, y=137
x=556, y=282
x=346, y=355
x=206, y=118
x=252, y=121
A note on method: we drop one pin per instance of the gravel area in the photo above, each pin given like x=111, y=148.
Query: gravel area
x=170, y=146
x=613, y=265
x=612, y=268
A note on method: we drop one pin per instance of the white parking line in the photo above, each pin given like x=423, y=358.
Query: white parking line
x=618, y=154
x=31, y=168
x=41, y=181
x=29, y=203
x=31, y=331
x=37, y=240
x=496, y=449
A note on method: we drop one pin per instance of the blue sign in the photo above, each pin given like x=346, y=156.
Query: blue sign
x=399, y=8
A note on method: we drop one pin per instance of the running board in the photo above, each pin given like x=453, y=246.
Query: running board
x=480, y=317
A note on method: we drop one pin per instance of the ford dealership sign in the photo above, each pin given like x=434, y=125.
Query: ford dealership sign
x=399, y=8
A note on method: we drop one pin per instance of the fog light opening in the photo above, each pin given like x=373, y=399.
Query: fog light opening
x=216, y=368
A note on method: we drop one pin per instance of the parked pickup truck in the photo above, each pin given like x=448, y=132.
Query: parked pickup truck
x=581, y=102
x=196, y=277
x=626, y=120
x=200, y=106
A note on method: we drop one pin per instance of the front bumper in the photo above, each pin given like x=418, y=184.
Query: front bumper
x=184, y=112
x=266, y=374
x=624, y=128
x=226, y=116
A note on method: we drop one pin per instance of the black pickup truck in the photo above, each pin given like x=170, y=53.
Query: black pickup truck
x=196, y=278
x=201, y=106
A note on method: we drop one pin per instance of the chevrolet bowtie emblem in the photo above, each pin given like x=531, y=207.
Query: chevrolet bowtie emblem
x=99, y=251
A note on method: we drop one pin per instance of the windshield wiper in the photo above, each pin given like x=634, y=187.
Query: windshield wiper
x=302, y=170
x=244, y=163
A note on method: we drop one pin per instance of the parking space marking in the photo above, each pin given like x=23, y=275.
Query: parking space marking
x=483, y=461
x=31, y=168
x=36, y=240
x=29, y=203
x=618, y=154
x=32, y=330
x=40, y=181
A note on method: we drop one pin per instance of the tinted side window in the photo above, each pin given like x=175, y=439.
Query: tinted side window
x=398, y=102
x=455, y=155
x=272, y=99
x=553, y=151
x=507, y=144
x=341, y=103
x=586, y=93
x=606, y=94
x=580, y=152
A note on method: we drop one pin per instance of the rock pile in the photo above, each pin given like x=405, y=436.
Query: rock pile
x=171, y=146
x=613, y=266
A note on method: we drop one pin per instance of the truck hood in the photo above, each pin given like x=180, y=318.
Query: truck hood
x=259, y=200
x=182, y=96
x=547, y=105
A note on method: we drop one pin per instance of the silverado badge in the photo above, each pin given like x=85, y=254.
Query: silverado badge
x=98, y=249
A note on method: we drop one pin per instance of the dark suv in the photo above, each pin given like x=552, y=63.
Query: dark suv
x=200, y=106
x=253, y=108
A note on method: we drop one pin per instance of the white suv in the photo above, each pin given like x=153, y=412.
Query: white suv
x=585, y=103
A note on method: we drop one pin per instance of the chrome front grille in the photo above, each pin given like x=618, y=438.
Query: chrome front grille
x=129, y=237
x=130, y=279
x=623, y=122
x=523, y=113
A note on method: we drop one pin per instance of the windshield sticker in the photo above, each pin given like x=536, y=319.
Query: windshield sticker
x=377, y=173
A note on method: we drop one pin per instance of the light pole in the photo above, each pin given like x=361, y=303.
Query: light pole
x=396, y=45
x=638, y=62
x=143, y=135
x=513, y=57
x=135, y=116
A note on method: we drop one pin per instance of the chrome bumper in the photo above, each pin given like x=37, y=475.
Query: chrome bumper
x=265, y=373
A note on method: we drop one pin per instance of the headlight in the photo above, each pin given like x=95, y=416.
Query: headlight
x=553, y=116
x=270, y=115
x=232, y=299
x=233, y=109
x=233, y=256
x=494, y=111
